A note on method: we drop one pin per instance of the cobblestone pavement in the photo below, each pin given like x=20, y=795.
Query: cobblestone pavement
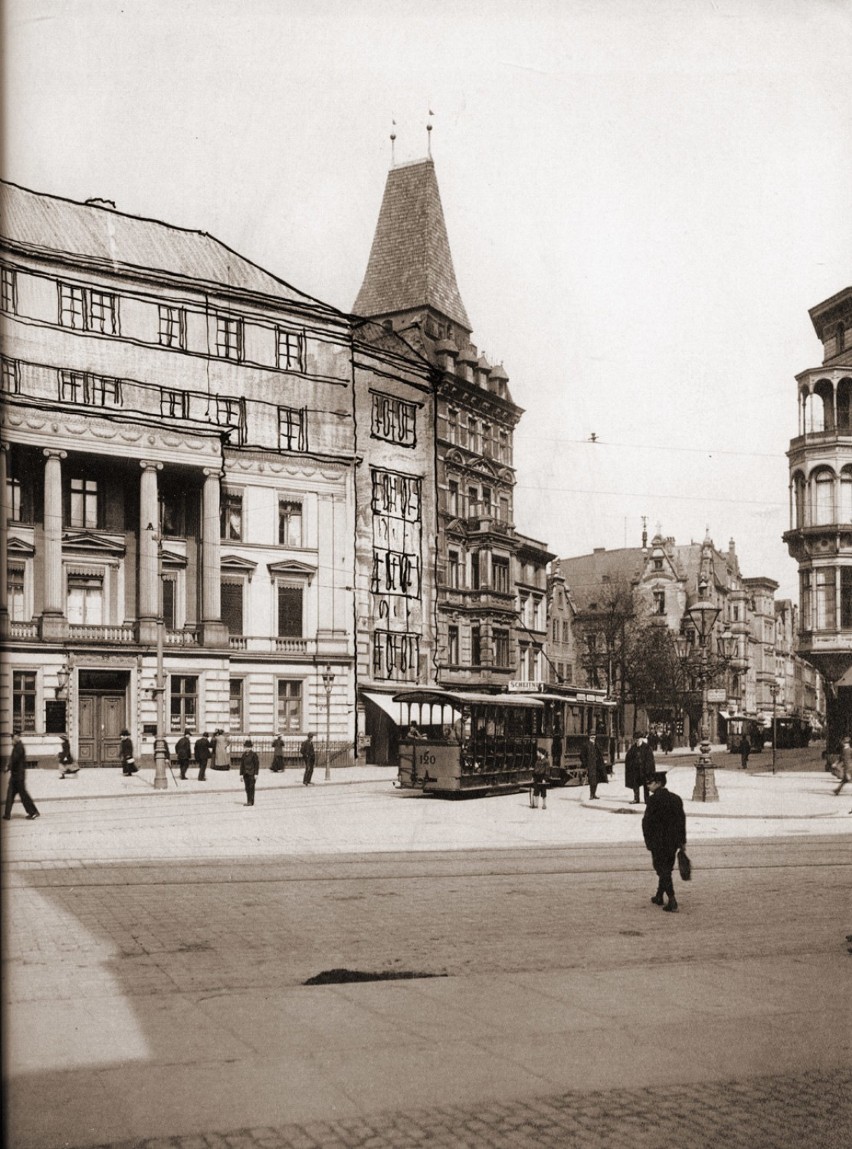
x=807, y=1111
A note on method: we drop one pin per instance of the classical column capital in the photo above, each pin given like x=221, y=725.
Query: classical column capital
x=150, y=465
x=53, y=453
x=213, y=472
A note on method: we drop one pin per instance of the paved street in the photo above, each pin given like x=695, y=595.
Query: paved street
x=157, y=947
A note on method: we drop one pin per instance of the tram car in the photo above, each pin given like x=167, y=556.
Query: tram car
x=741, y=727
x=456, y=743
x=790, y=732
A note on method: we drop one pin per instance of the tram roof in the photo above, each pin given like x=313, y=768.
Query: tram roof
x=578, y=698
x=450, y=698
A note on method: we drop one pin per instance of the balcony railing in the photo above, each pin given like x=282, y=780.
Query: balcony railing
x=23, y=630
x=82, y=632
x=264, y=644
x=185, y=637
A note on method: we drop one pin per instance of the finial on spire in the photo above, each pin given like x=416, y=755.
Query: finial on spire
x=393, y=141
x=429, y=133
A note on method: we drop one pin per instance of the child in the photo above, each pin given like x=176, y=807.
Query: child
x=67, y=765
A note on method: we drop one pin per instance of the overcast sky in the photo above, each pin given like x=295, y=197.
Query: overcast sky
x=643, y=200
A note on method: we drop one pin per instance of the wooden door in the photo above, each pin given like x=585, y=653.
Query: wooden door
x=102, y=718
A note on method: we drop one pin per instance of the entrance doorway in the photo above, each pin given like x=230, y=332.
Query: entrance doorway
x=103, y=715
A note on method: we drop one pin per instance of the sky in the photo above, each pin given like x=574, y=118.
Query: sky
x=643, y=199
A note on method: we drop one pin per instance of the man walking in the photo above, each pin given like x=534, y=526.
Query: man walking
x=17, y=766
x=309, y=758
x=183, y=753
x=845, y=762
x=592, y=762
x=745, y=750
x=201, y=751
x=664, y=831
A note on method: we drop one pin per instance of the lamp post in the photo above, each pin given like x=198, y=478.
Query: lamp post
x=161, y=781
x=328, y=683
x=703, y=615
x=774, y=690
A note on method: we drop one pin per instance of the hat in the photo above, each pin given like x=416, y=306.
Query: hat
x=247, y=742
x=658, y=776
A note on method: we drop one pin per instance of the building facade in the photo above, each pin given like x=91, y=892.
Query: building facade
x=410, y=291
x=820, y=534
x=178, y=445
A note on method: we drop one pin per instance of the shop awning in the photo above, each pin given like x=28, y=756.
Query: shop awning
x=385, y=702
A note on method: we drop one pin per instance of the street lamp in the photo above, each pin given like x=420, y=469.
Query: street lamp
x=161, y=781
x=774, y=690
x=328, y=683
x=703, y=615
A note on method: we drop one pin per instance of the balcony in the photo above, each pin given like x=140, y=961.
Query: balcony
x=186, y=637
x=266, y=644
x=83, y=632
x=23, y=630
x=488, y=524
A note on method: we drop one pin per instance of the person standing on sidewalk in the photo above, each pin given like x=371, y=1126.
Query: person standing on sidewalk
x=664, y=831
x=221, y=751
x=592, y=762
x=249, y=767
x=125, y=753
x=17, y=767
x=309, y=758
x=538, y=789
x=277, y=766
x=183, y=753
x=201, y=752
x=845, y=762
x=745, y=750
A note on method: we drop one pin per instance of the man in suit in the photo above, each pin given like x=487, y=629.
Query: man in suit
x=183, y=752
x=592, y=762
x=17, y=766
x=202, y=755
x=664, y=831
x=309, y=758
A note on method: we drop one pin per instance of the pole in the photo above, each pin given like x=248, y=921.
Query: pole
x=328, y=733
x=161, y=781
x=774, y=726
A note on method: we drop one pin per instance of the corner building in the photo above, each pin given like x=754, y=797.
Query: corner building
x=820, y=535
x=178, y=443
x=410, y=292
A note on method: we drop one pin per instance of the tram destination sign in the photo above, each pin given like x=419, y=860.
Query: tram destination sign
x=517, y=686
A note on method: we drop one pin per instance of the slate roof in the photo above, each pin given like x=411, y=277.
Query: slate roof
x=410, y=264
x=111, y=240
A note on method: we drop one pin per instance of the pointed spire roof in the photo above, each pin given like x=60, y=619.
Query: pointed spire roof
x=410, y=265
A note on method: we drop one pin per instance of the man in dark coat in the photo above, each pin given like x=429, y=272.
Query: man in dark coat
x=664, y=831
x=309, y=758
x=201, y=750
x=745, y=750
x=639, y=765
x=183, y=753
x=17, y=766
x=249, y=768
x=592, y=762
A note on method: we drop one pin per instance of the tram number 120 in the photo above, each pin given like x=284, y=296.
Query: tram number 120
x=427, y=759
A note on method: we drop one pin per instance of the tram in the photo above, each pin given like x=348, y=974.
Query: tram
x=790, y=732
x=468, y=744
x=741, y=727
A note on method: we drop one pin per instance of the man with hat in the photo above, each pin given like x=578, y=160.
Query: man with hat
x=664, y=831
x=249, y=767
x=639, y=765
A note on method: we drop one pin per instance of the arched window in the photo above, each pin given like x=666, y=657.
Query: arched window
x=845, y=515
x=826, y=599
x=822, y=497
x=825, y=392
x=798, y=515
x=811, y=414
x=844, y=405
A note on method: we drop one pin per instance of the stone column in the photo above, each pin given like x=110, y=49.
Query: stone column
x=53, y=622
x=149, y=517
x=215, y=632
x=4, y=536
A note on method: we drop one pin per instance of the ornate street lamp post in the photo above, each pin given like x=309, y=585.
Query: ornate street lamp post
x=774, y=690
x=328, y=683
x=703, y=615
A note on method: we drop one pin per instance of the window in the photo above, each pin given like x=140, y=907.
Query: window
x=290, y=624
x=453, y=569
x=290, y=350
x=472, y=501
x=501, y=647
x=503, y=513
x=500, y=575
x=395, y=654
x=473, y=439
x=170, y=602
x=23, y=700
x=172, y=326
x=232, y=605
x=292, y=429
x=823, y=495
x=228, y=411
x=172, y=500
x=14, y=494
x=476, y=560
x=569, y=672
x=235, y=704
x=289, y=523
x=10, y=290
x=659, y=602
x=394, y=420
x=289, y=706
x=452, y=425
x=845, y=516
x=486, y=440
x=396, y=495
x=453, y=498
x=229, y=336
x=486, y=501
x=92, y=390
x=566, y=631
x=102, y=312
x=15, y=589
x=826, y=600
x=11, y=376
x=231, y=516
x=83, y=503
x=71, y=306
x=806, y=599
x=453, y=645
x=174, y=404
x=475, y=646
x=183, y=702
x=85, y=604
x=504, y=450
x=839, y=339
x=845, y=597
x=538, y=622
